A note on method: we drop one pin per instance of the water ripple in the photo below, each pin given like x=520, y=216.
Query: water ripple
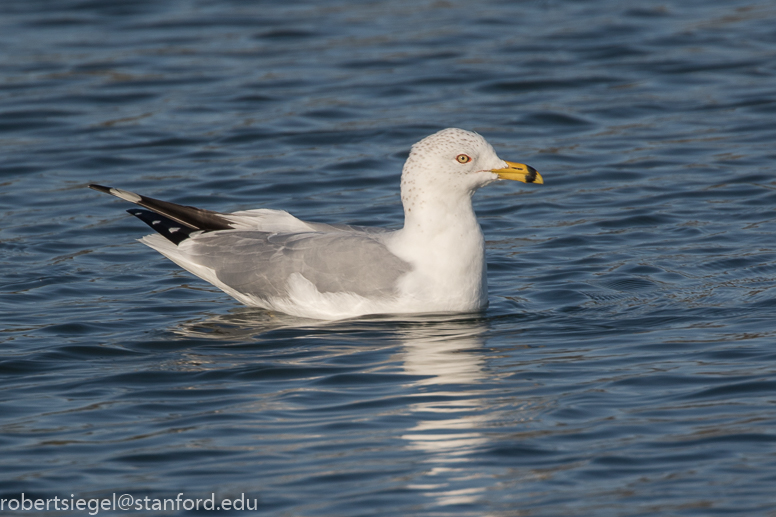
x=623, y=367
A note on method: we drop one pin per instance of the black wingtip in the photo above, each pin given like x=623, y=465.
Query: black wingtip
x=189, y=216
x=99, y=188
x=171, y=230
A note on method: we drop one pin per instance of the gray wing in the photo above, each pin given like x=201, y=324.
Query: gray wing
x=259, y=263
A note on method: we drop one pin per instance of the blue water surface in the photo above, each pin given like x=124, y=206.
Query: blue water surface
x=626, y=364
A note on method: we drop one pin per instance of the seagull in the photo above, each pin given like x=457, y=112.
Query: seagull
x=272, y=260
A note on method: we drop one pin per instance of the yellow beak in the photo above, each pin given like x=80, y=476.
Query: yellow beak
x=519, y=172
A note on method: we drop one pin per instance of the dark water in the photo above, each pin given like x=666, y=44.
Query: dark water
x=624, y=367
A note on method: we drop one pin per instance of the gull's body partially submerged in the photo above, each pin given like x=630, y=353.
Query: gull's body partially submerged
x=270, y=259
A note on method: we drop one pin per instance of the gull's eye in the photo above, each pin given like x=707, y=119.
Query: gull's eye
x=463, y=158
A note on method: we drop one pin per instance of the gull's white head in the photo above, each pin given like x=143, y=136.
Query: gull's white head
x=455, y=162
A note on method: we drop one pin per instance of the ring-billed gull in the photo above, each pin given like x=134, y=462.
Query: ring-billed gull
x=270, y=259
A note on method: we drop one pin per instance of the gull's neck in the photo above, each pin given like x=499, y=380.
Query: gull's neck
x=434, y=205
x=443, y=242
x=433, y=218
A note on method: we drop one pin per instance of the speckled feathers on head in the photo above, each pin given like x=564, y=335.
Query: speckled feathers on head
x=432, y=174
x=432, y=168
x=449, y=142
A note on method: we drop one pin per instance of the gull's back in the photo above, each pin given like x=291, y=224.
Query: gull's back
x=259, y=264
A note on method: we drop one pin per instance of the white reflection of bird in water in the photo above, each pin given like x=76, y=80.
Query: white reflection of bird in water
x=442, y=350
x=449, y=356
x=456, y=407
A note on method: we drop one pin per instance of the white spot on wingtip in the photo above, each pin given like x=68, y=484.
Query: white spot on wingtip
x=156, y=222
x=173, y=230
x=125, y=195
